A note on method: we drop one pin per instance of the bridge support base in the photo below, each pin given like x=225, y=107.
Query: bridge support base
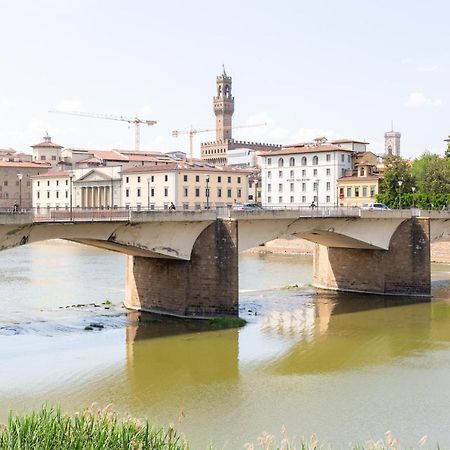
x=204, y=287
x=404, y=269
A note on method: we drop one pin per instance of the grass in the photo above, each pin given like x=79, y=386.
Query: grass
x=221, y=323
x=49, y=429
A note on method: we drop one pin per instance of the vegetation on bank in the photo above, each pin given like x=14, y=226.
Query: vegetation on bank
x=102, y=429
x=222, y=323
x=50, y=429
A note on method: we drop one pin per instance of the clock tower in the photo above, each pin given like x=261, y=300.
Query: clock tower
x=392, y=142
x=223, y=107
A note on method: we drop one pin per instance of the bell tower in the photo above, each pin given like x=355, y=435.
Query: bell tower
x=223, y=107
x=392, y=142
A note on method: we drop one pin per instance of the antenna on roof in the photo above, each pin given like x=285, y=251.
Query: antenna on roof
x=224, y=73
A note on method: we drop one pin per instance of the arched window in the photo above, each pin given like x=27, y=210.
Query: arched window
x=315, y=160
x=280, y=162
x=304, y=161
x=292, y=161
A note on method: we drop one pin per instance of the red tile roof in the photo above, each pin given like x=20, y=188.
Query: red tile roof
x=47, y=144
x=24, y=164
x=362, y=179
x=186, y=166
x=301, y=148
x=53, y=174
x=348, y=141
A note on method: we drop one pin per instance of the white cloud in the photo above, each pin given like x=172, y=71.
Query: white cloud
x=427, y=69
x=417, y=99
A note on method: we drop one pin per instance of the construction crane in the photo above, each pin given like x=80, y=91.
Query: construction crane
x=137, y=122
x=191, y=132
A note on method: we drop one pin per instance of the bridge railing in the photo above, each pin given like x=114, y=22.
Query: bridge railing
x=80, y=214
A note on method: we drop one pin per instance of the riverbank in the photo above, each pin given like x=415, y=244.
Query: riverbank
x=292, y=245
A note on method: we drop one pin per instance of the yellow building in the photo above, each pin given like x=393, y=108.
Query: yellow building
x=362, y=184
x=196, y=185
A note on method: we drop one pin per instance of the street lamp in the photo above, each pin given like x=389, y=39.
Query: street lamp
x=413, y=190
x=71, y=195
x=207, y=191
x=400, y=182
x=148, y=193
x=20, y=176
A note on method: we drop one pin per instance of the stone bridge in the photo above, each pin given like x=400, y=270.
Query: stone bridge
x=185, y=263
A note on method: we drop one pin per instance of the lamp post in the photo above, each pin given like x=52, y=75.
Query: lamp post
x=20, y=176
x=71, y=195
x=400, y=182
x=148, y=193
x=413, y=191
x=207, y=191
x=256, y=191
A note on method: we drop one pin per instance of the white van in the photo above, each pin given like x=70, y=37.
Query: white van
x=375, y=207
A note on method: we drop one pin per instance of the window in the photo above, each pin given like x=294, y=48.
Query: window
x=280, y=199
x=185, y=177
x=303, y=187
x=372, y=191
x=197, y=178
x=152, y=178
x=152, y=192
x=269, y=161
x=303, y=198
x=291, y=174
x=238, y=179
x=315, y=172
x=186, y=191
x=292, y=199
x=43, y=158
x=48, y=183
x=328, y=157
x=127, y=192
x=315, y=187
x=138, y=192
x=328, y=172
x=219, y=192
x=342, y=157
x=166, y=177
x=229, y=193
x=219, y=179
x=239, y=192
x=349, y=192
x=269, y=174
x=356, y=191
x=57, y=182
x=342, y=172
x=328, y=199
x=38, y=194
x=280, y=188
x=229, y=179
x=48, y=194
x=292, y=161
x=166, y=191
x=315, y=160
x=57, y=194
x=280, y=174
x=328, y=186
x=364, y=191
x=303, y=172
x=292, y=187
x=38, y=183
x=53, y=157
x=280, y=162
x=67, y=182
x=269, y=199
x=349, y=159
x=197, y=192
x=304, y=161
x=269, y=188
x=139, y=179
x=67, y=194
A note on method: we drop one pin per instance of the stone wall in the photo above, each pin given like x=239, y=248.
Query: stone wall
x=404, y=269
x=205, y=286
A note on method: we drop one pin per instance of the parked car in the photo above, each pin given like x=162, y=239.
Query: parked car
x=375, y=207
x=247, y=207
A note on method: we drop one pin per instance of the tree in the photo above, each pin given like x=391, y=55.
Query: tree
x=447, y=152
x=396, y=169
x=432, y=174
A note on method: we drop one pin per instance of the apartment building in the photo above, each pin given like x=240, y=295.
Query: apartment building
x=187, y=185
x=300, y=174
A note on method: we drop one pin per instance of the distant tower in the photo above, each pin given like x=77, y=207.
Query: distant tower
x=223, y=107
x=392, y=142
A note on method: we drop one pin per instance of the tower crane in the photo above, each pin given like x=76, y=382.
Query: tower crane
x=137, y=122
x=191, y=132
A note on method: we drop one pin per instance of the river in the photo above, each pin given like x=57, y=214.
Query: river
x=345, y=367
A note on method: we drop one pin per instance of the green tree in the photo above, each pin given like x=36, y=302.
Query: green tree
x=396, y=170
x=432, y=174
x=447, y=152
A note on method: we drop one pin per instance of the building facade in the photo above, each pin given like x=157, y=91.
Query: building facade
x=304, y=173
x=187, y=186
x=47, y=152
x=223, y=102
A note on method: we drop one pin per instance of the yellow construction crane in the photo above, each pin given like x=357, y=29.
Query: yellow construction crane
x=137, y=122
x=191, y=132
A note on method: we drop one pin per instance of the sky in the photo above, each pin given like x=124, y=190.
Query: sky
x=340, y=69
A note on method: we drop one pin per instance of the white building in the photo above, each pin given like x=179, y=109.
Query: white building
x=299, y=174
x=47, y=151
x=242, y=157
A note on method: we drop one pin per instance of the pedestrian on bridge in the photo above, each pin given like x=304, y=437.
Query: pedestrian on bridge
x=313, y=205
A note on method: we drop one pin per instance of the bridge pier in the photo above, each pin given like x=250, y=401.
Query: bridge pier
x=205, y=286
x=404, y=269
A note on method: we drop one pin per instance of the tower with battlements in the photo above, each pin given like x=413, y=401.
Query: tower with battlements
x=392, y=143
x=223, y=102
